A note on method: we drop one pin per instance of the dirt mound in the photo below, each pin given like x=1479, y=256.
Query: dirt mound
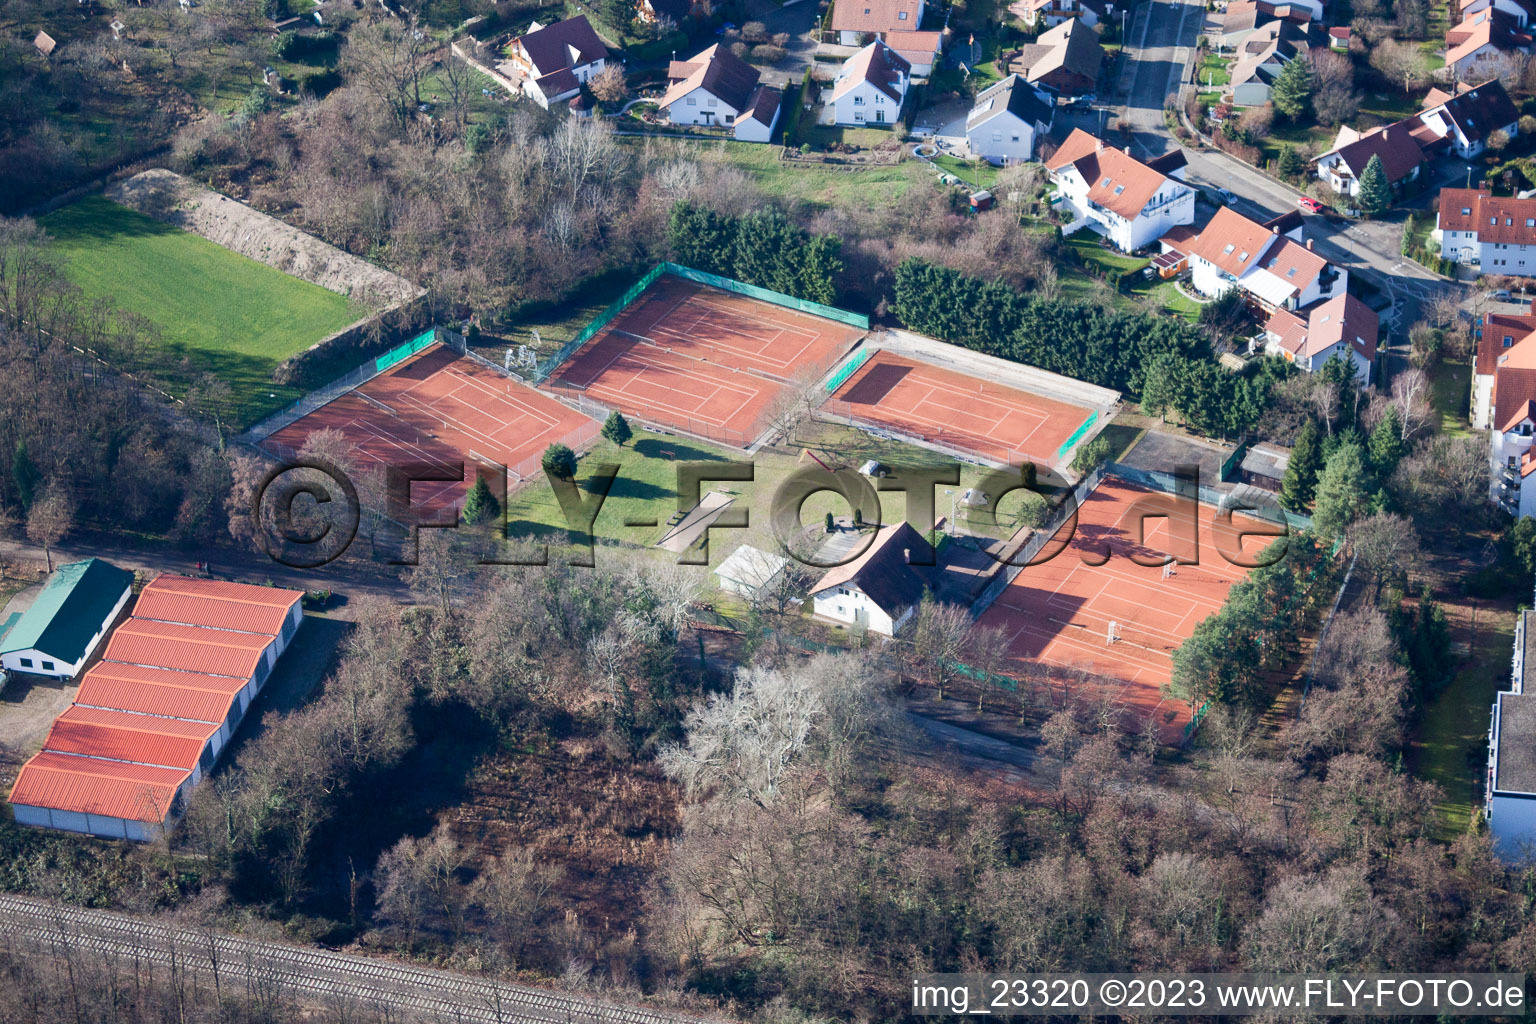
x=169, y=197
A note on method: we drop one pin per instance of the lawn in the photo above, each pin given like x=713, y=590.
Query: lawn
x=821, y=136
x=812, y=183
x=1086, y=244
x=645, y=489
x=1215, y=72
x=976, y=173
x=217, y=312
x=1451, y=396
x=1450, y=748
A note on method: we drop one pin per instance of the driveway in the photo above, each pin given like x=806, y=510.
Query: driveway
x=797, y=18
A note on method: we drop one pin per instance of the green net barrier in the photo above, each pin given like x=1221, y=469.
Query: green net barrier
x=403, y=352
x=763, y=294
x=849, y=369
x=603, y=319
x=1077, y=435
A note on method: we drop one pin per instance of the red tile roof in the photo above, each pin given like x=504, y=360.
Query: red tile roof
x=90, y=785
x=1231, y=241
x=1499, y=219
x=217, y=603
x=1514, y=397
x=876, y=15
x=1116, y=181
x=1481, y=29
x=219, y=652
x=1399, y=150
x=877, y=64
x=1491, y=350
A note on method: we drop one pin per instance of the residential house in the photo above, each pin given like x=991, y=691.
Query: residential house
x=857, y=22
x=870, y=87
x=718, y=88
x=1065, y=59
x=1007, y=119
x=1274, y=270
x=1509, y=786
x=1243, y=18
x=58, y=632
x=1512, y=404
x=1501, y=343
x=1129, y=202
x=921, y=49
x=555, y=60
x=1400, y=146
x=879, y=590
x=1481, y=40
x=1342, y=326
x=1516, y=9
x=1049, y=13
x=1465, y=119
x=1338, y=38
x=751, y=572
x=1495, y=234
x=1262, y=56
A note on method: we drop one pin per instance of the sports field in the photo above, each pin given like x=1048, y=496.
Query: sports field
x=440, y=410
x=702, y=360
x=217, y=311
x=1060, y=612
x=943, y=406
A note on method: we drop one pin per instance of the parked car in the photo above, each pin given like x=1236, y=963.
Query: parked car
x=1226, y=196
x=1311, y=205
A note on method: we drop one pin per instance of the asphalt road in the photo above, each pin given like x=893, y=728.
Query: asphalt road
x=40, y=928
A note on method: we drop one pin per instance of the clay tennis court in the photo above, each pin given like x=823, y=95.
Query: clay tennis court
x=1059, y=612
x=996, y=422
x=440, y=409
x=703, y=360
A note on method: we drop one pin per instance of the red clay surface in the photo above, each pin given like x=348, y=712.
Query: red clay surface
x=440, y=410
x=703, y=360
x=994, y=421
x=1058, y=612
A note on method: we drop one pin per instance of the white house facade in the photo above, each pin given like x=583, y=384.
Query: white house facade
x=1007, y=120
x=870, y=87
x=62, y=628
x=1131, y=203
x=1497, y=235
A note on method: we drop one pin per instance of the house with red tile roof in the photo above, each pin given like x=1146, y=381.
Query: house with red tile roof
x=153, y=714
x=1242, y=18
x=1482, y=38
x=555, y=60
x=1131, y=203
x=1275, y=270
x=1504, y=403
x=1495, y=234
x=856, y=22
x=1343, y=326
x=1466, y=118
x=1065, y=59
x=718, y=88
x=1401, y=148
x=870, y=87
x=1049, y=13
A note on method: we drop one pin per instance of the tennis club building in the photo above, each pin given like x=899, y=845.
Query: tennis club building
x=153, y=715
x=65, y=624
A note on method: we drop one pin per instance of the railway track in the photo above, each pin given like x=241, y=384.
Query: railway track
x=237, y=962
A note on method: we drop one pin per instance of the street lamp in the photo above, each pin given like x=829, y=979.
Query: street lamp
x=951, y=523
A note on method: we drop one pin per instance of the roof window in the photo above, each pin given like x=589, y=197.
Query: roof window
x=1229, y=248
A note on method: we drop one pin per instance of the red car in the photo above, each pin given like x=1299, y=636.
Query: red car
x=1311, y=205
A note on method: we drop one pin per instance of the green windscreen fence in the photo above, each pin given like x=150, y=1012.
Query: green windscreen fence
x=777, y=298
x=402, y=352
x=849, y=369
x=603, y=319
x=1077, y=435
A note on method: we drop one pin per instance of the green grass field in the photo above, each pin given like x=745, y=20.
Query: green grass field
x=217, y=312
x=1450, y=745
x=1450, y=396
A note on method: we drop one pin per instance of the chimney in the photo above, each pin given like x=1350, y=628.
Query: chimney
x=1309, y=244
x=906, y=555
x=1274, y=229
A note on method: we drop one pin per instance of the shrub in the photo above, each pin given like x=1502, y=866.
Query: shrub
x=559, y=462
x=322, y=83
x=768, y=53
